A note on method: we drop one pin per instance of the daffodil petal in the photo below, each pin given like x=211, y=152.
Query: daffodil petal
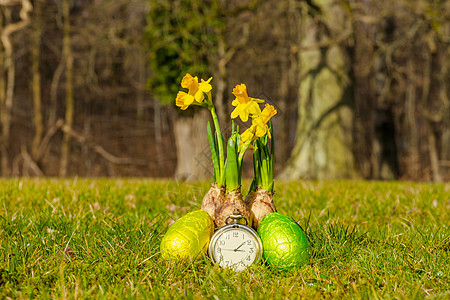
x=234, y=113
x=257, y=100
x=253, y=108
x=246, y=135
x=188, y=99
x=207, y=81
x=240, y=91
x=261, y=130
x=191, y=83
x=205, y=87
x=268, y=112
x=179, y=101
x=243, y=116
x=186, y=80
x=199, y=96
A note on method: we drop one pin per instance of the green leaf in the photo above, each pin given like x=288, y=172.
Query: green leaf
x=263, y=158
x=253, y=185
x=257, y=166
x=272, y=156
x=214, y=152
x=239, y=161
x=231, y=165
x=264, y=169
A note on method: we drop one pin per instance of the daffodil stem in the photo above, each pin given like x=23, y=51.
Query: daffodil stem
x=219, y=137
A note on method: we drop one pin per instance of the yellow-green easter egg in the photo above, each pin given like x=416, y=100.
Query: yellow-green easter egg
x=285, y=246
x=188, y=237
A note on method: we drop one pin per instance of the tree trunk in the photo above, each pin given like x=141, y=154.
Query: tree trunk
x=416, y=62
x=445, y=96
x=289, y=83
x=3, y=142
x=67, y=53
x=193, y=153
x=442, y=77
x=36, y=81
x=158, y=132
x=221, y=78
x=323, y=148
x=365, y=101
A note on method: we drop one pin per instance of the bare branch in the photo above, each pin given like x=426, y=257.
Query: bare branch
x=100, y=150
x=48, y=136
x=10, y=2
x=11, y=28
x=29, y=163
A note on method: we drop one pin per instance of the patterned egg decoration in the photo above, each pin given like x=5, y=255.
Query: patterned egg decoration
x=188, y=237
x=285, y=245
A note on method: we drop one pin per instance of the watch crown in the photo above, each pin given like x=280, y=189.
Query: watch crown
x=236, y=217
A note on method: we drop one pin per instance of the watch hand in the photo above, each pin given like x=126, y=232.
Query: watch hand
x=235, y=250
x=239, y=246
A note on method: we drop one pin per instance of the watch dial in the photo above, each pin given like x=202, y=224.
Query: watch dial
x=236, y=249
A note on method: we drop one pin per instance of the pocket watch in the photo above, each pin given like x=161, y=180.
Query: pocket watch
x=235, y=246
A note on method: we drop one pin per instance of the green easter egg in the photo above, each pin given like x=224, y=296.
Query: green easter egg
x=285, y=246
x=188, y=237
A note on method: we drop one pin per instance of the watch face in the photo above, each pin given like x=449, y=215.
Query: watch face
x=235, y=248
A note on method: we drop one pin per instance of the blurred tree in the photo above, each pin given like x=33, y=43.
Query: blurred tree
x=323, y=147
x=191, y=37
x=400, y=66
x=363, y=57
x=268, y=35
x=8, y=71
x=180, y=40
x=367, y=81
x=387, y=84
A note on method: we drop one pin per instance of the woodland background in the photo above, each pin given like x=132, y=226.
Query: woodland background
x=362, y=87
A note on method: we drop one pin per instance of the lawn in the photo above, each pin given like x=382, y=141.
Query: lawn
x=99, y=238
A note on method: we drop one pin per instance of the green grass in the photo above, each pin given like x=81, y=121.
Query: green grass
x=84, y=238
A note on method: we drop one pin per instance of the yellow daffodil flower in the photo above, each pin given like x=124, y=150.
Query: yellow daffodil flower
x=196, y=92
x=260, y=122
x=259, y=125
x=245, y=105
